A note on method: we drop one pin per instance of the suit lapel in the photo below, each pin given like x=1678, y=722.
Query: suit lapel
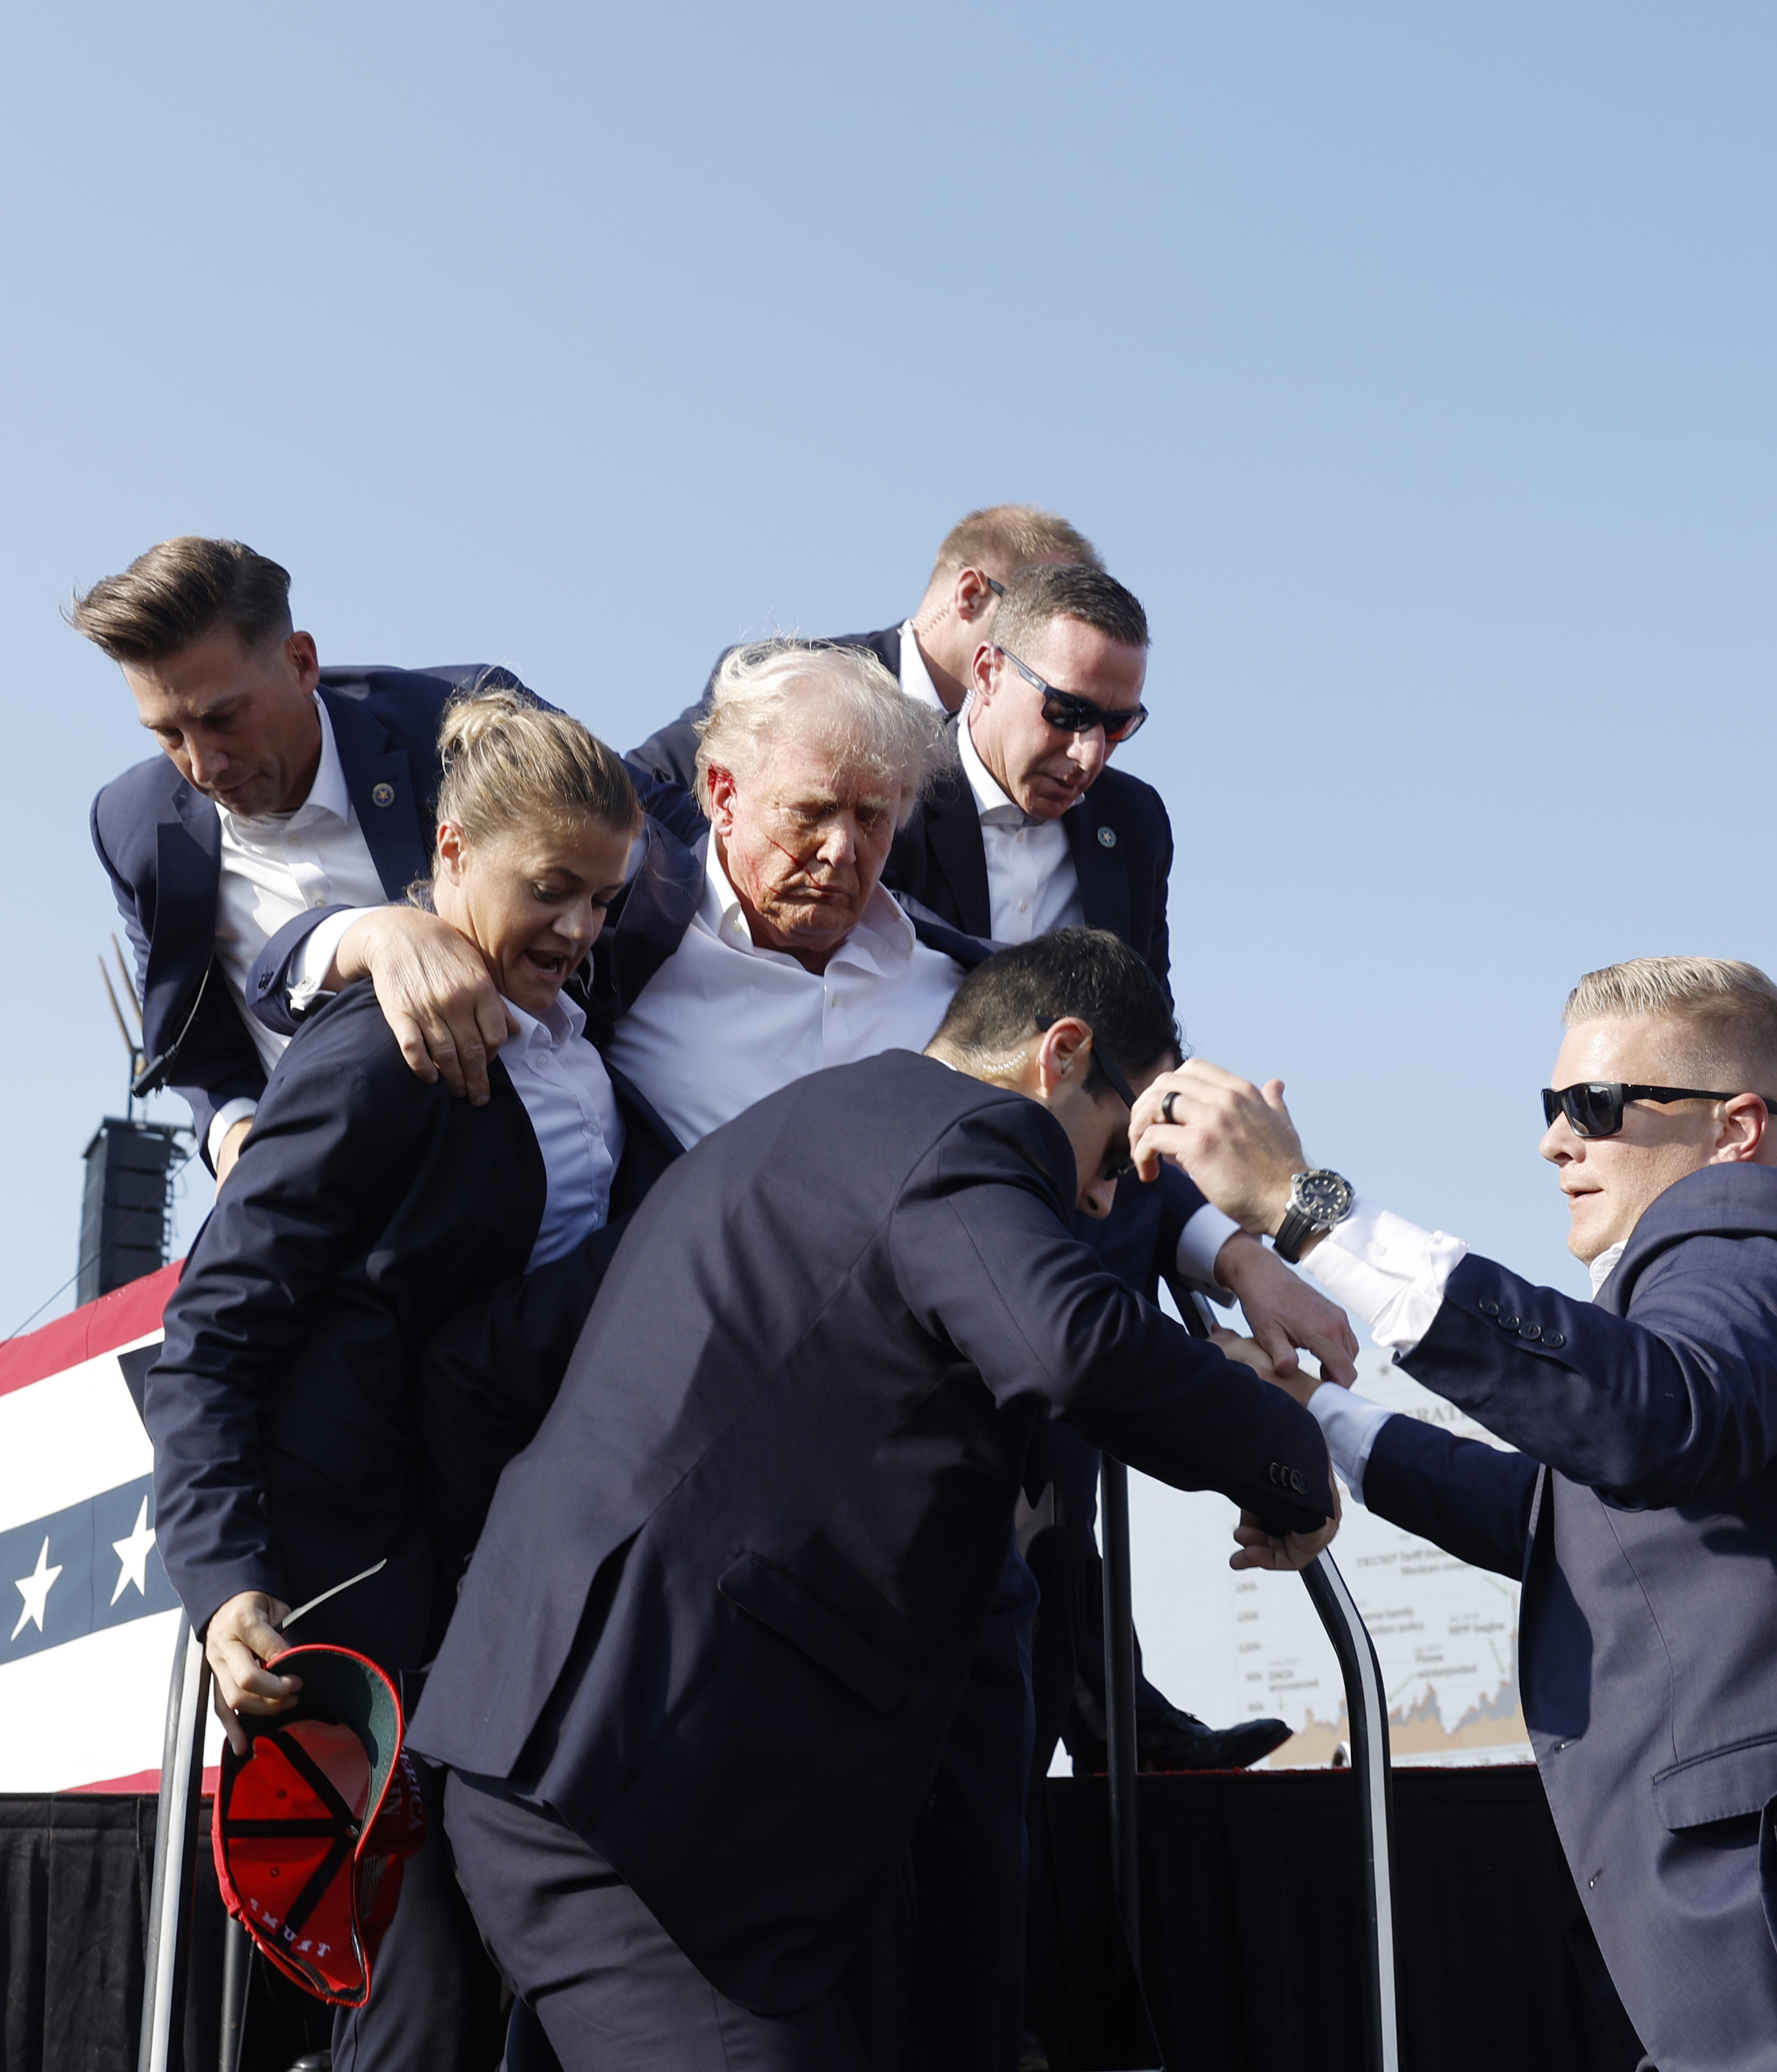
x=379, y=783
x=1104, y=882
x=953, y=834
x=182, y=929
x=645, y=930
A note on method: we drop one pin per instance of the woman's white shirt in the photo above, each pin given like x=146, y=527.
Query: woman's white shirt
x=567, y=1094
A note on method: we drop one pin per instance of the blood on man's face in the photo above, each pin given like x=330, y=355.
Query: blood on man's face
x=804, y=842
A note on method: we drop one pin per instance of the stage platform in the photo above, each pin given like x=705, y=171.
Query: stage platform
x=1251, y=1899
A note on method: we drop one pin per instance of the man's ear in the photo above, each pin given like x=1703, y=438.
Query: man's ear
x=1745, y=1133
x=973, y=595
x=1060, y=1060
x=720, y=795
x=301, y=660
x=982, y=672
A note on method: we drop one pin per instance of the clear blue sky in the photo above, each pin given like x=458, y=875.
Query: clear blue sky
x=1412, y=362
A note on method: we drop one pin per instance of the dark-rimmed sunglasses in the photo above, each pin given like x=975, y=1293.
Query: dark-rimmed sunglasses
x=1594, y=1108
x=1068, y=712
x=1117, y=1165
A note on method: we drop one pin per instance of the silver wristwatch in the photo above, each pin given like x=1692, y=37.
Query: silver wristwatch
x=1318, y=1200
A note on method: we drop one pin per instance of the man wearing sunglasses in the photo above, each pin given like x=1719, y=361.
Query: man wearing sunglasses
x=930, y=653
x=1640, y=1510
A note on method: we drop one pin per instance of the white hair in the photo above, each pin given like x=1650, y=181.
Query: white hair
x=841, y=700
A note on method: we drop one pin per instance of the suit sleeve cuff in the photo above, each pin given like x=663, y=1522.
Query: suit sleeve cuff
x=309, y=966
x=1386, y=1271
x=223, y=1120
x=1200, y=1244
x=1349, y=1423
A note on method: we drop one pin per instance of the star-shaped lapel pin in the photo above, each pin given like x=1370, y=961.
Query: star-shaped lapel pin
x=34, y=1589
x=133, y=1553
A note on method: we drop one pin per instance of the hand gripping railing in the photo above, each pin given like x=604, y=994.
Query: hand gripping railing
x=1368, y=1721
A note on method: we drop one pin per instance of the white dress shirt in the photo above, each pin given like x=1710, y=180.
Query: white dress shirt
x=275, y=868
x=1032, y=883
x=1393, y=1274
x=723, y=1022
x=915, y=677
x=567, y=1094
x=1033, y=889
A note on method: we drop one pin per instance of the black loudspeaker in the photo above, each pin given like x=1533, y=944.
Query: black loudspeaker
x=123, y=1217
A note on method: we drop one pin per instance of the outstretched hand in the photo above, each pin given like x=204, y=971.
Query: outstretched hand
x=1285, y=1313
x=1249, y=1352
x=434, y=989
x=1235, y=1140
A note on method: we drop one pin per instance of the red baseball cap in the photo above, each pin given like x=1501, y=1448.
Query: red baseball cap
x=312, y=1825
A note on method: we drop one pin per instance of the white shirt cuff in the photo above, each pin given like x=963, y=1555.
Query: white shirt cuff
x=309, y=966
x=239, y=1110
x=1349, y=1423
x=1200, y=1244
x=1386, y=1271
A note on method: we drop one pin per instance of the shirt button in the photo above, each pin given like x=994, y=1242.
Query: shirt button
x=1023, y=906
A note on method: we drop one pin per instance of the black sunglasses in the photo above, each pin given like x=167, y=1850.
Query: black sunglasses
x=1594, y=1108
x=1068, y=712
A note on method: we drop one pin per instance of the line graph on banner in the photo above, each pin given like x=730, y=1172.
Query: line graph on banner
x=1445, y=1634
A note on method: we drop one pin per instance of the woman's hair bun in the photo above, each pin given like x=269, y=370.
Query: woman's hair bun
x=468, y=720
x=511, y=763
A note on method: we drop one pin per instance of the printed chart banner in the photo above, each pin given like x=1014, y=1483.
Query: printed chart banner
x=1445, y=1634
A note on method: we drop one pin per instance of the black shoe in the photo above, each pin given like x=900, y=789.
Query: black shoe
x=1180, y=1740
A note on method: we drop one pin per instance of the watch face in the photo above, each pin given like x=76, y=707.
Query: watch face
x=1324, y=1198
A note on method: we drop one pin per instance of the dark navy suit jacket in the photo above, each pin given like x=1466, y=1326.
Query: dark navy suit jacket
x=161, y=842
x=672, y=754
x=368, y=1209
x=1641, y=1513
x=724, y=1605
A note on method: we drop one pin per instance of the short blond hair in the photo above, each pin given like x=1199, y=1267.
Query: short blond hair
x=1005, y=537
x=776, y=694
x=1727, y=1009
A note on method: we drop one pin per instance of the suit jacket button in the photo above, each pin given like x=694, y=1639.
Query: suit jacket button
x=1488, y=1307
x=1554, y=1341
x=1530, y=1330
x=1298, y=1482
x=1508, y=1323
x=1107, y=837
x=1273, y=1471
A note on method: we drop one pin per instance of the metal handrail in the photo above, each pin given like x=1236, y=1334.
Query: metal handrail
x=175, y=1833
x=1366, y=1710
x=1366, y=1713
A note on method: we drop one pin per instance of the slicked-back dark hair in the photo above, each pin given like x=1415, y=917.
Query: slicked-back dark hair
x=179, y=592
x=1034, y=597
x=1087, y=972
